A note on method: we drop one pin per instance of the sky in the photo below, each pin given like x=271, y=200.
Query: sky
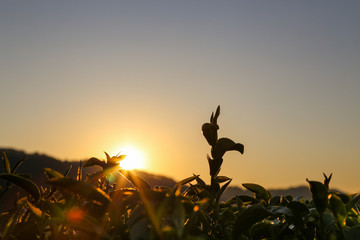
x=78, y=78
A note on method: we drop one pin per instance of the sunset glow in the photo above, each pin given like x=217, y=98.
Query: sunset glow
x=134, y=158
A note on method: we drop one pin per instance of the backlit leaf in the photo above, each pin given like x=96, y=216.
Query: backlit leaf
x=319, y=194
x=338, y=208
x=26, y=184
x=94, y=161
x=83, y=189
x=50, y=173
x=184, y=181
x=6, y=163
x=258, y=190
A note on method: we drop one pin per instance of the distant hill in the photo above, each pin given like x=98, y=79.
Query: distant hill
x=35, y=163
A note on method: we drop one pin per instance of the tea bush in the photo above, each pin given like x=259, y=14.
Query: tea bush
x=95, y=208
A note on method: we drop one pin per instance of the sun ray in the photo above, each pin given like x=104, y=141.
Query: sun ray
x=134, y=158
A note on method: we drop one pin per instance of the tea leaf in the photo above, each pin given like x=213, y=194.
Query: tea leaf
x=225, y=144
x=50, y=173
x=26, y=184
x=247, y=218
x=210, y=133
x=338, y=208
x=184, y=181
x=94, y=161
x=319, y=194
x=222, y=189
x=18, y=164
x=83, y=189
x=258, y=190
x=6, y=163
x=34, y=209
x=221, y=179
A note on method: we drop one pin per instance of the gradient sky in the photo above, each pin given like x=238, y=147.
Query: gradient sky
x=82, y=77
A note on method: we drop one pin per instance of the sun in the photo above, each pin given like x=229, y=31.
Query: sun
x=134, y=158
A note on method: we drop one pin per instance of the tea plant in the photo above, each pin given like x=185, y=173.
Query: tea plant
x=96, y=208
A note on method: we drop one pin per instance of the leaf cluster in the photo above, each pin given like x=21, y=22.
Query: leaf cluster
x=95, y=208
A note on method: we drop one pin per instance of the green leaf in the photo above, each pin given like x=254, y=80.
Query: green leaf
x=258, y=190
x=355, y=200
x=6, y=163
x=225, y=144
x=319, y=195
x=26, y=184
x=261, y=230
x=51, y=174
x=338, y=208
x=279, y=210
x=298, y=208
x=83, y=189
x=247, y=218
x=94, y=161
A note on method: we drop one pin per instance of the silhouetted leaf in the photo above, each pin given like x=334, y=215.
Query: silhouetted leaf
x=247, y=218
x=67, y=171
x=26, y=184
x=178, y=185
x=83, y=189
x=222, y=189
x=6, y=163
x=18, y=164
x=118, y=158
x=217, y=113
x=215, y=166
x=298, y=208
x=94, y=161
x=327, y=180
x=258, y=190
x=261, y=230
x=210, y=133
x=221, y=179
x=225, y=144
x=319, y=194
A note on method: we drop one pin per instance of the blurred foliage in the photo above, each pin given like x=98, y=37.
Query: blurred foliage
x=95, y=208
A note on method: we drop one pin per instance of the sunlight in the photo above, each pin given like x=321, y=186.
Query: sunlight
x=134, y=158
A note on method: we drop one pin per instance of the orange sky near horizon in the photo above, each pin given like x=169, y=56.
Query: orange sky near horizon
x=80, y=78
